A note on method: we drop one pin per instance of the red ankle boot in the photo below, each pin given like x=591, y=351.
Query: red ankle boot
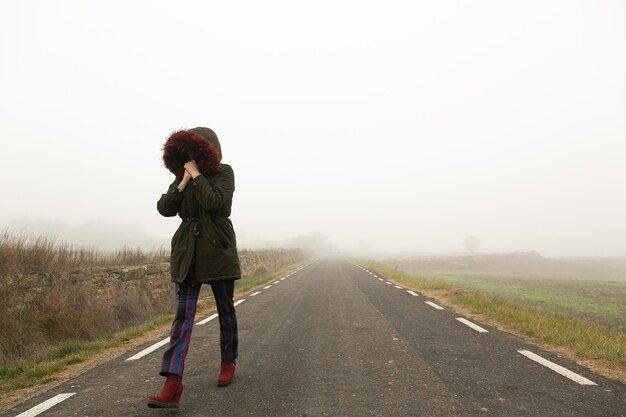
x=169, y=396
x=227, y=373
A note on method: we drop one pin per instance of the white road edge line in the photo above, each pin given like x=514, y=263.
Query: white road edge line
x=239, y=302
x=472, y=325
x=557, y=368
x=255, y=293
x=38, y=409
x=430, y=303
x=414, y=294
x=267, y=286
x=149, y=350
x=397, y=286
x=208, y=319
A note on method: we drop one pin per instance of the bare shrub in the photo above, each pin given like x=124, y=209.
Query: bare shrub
x=20, y=333
x=21, y=254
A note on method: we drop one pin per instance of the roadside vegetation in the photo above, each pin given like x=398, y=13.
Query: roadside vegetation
x=574, y=331
x=592, y=290
x=55, y=309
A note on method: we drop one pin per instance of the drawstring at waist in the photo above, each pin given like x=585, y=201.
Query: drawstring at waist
x=195, y=226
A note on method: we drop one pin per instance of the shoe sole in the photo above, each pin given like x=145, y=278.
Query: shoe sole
x=225, y=383
x=158, y=404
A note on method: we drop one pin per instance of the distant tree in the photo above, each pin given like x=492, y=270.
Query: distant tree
x=471, y=244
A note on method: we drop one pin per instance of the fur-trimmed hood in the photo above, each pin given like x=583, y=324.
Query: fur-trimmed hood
x=200, y=144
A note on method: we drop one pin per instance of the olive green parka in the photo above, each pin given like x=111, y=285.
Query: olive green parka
x=204, y=248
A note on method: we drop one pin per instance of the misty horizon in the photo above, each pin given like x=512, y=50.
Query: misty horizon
x=111, y=236
x=380, y=128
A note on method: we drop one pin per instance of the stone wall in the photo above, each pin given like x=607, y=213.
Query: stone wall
x=151, y=280
x=155, y=278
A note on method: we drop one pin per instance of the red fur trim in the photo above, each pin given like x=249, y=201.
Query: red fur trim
x=183, y=146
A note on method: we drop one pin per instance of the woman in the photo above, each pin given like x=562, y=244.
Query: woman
x=204, y=251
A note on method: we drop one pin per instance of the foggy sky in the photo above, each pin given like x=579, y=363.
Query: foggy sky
x=386, y=126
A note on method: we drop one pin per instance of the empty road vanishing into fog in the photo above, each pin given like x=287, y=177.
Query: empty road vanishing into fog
x=336, y=339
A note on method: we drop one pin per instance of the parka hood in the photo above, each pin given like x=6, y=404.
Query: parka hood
x=200, y=144
x=209, y=135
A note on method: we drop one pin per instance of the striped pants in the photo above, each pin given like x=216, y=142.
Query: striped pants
x=187, y=299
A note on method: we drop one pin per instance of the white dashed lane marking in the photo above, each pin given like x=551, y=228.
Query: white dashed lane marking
x=380, y=279
x=430, y=303
x=149, y=349
x=414, y=294
x=472, y=325
x=387, y=282
x=557, y=368
x=267, y=286
x=38, y=409
x=255, y=293
x=276, y=282
x=397, y=286
x=208, y=319
x=239, y=302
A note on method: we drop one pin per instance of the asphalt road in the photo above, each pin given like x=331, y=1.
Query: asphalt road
x=334, y=340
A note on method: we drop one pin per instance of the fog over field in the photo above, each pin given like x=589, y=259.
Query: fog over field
x=374, y=127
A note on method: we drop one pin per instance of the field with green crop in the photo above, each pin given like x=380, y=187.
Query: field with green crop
x=593, y=290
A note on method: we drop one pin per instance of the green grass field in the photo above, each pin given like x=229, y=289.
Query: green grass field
x=595, y=301
x=592, y=290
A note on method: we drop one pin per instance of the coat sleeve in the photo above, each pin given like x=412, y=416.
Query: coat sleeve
x=218, y=194
x=169, y=202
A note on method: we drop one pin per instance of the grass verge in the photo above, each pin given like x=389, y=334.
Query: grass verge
x=46, y=367
x=53, y=364
x=601, y=349
x=596, y=302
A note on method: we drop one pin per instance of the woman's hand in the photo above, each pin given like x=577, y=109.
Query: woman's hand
x=192, y=168
x=185, y=181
